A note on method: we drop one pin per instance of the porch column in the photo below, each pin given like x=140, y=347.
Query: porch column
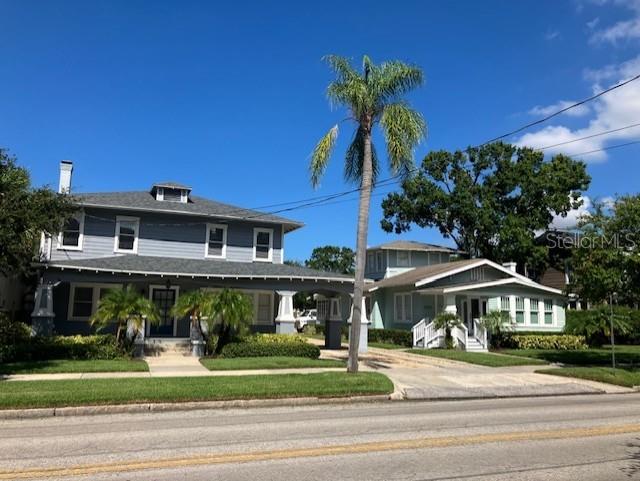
x=333, y=325
x=364, y=322
x=285, y=322
x=42, y=316
x=450, y=304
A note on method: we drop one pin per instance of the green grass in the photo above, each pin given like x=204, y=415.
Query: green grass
x=34, y=394
x=276, y=362
x=386, y=345
x=629, y=355
x=480, y=358
x=621, y=377
x=66, y=365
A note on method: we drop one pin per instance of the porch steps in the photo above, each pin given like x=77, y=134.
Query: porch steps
x=160, y=346
x=474, y=346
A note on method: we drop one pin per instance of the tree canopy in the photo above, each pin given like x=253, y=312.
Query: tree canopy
x=25, y=212
x=490, y=199
x=332, y=259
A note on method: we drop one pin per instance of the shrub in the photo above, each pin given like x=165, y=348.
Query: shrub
x=12, y=334
x=594, y=324
x=391, y=336
x=273, y=345
x=69, y=347
x=561, y=342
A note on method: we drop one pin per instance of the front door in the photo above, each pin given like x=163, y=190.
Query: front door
x=478, y=309
x=164, y=299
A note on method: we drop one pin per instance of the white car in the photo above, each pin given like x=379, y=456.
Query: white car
x=308, y=316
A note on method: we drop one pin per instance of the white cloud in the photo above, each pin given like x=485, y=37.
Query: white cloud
x=573, y=217
x=593, y=23
x=551, y=34
x=608, y=202
x=549, y=109
x=618, y=108
x=622, y=30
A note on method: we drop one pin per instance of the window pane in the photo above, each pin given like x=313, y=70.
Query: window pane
x=398, y=308
x=127, y=229
x=520, y=317
x=534, y=318
x=548, y=318
x=262, y=252
x=216, y=235
x=125, y=242
x=82, y=302
x=264, y=309
x=263, y=238
x=70, y=238
x=407, y=307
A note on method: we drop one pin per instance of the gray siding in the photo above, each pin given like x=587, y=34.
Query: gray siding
x=166, y=236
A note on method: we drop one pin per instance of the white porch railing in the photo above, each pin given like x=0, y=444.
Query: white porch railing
x=461, y=335
x=480, y=333
x=425, y=334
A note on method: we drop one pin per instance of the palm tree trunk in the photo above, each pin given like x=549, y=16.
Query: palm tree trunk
x=361, y=248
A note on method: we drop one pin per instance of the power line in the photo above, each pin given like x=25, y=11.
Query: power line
x=608, y=148
x=590, y=136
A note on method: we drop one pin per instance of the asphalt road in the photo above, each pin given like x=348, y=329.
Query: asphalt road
x=593, y=437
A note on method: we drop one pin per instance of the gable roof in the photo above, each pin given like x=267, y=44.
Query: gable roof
x=420, y=277
x=172, y=185
x=197, y=206
x=408, y=245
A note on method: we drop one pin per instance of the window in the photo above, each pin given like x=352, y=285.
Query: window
x=379, y=261
x=216, y=241
x=169, y=194
x=534, y=303
x=263, y=245
x=264, y=309
x=127, y=234
x=520, y=310
x=72, y=233
x=403, y=258
x=402, y=304
x=370, y=260
x=84, y=299
x=548, y=311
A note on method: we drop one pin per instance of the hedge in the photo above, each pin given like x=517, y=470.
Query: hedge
x=68, y=347
x=12, y=334
x=585, y=323
x=563, y=342
x=257, y=347
x=391, y=336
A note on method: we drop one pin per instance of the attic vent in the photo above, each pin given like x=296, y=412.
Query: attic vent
x=169, y=194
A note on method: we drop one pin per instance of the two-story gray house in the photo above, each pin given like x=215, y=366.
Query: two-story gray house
x=165, y=240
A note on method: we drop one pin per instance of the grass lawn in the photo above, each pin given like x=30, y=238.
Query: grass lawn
x=621, y=377
x=66, y=365
x=276, y=362
x=386, y=345
x=584, y=357
x=481, y=358
x=33, y=394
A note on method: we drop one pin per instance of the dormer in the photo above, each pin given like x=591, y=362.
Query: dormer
x=171, y=192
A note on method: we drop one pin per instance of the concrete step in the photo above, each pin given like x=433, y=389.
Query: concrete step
x=167, y=347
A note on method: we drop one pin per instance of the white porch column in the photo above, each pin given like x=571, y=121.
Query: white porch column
x=285, y=321
x=450, y=304
x=333, y=325
x=42, y=316
x=364, y=322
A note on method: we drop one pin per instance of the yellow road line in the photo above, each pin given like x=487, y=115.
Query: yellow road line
x=421, y=443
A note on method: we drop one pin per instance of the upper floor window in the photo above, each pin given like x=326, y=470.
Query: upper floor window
x=72, y=233
x=263, y=245
x=379, y=261
x=370, y=266
x=126, y=239
x=216, y=241
x=171, y=192
x=403, y=258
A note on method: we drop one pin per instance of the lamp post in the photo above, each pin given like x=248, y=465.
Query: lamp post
x=613, y=342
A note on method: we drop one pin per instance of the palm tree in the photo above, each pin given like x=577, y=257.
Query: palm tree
x=196, y=305
x=123, y=306
x=447, y=321
x=497, y=323
x=230, y=311
x=371, y=97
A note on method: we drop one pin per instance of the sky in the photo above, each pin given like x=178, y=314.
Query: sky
x=230, y=99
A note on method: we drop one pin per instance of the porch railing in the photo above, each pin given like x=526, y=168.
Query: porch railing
x=425, y=334
x=480, y=333
x=461, y=334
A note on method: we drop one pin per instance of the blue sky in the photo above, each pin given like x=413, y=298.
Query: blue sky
x=230, y=99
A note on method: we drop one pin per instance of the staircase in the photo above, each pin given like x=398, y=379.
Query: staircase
x=473, y=345
x=425, y=335
x=167, y=346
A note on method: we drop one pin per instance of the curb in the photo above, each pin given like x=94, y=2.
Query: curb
x=188, y=406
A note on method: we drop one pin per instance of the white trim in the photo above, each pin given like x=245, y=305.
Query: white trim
x=80, y=218
x=224, y=241
x=256, y=231
x=282, y=245
x=499, y=282
x=407, y=316
x=160, y=193
x=136, y=229
x=256, y=298
x=95, y=297
x=429, y=280
x=175, y=318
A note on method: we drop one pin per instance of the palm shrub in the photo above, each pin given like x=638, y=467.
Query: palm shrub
x=447, y=321
x=124, y=307
x=498, y=326
x=371, y=96
x=196, y=305
x=230, y=313
x=595, y=324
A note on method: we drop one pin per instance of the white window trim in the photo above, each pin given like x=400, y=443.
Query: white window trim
x=408, y=315
x=152, y=287
x=80, y=218
x=224, y=241
x=122, y=218
x=160, y=193
x=255, y=307
x=256, y=231
x=94, y=299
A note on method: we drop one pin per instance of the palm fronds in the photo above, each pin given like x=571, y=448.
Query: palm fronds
x=321, y=155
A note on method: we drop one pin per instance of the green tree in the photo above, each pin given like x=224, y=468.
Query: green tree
x=332, y=259
x=195, y=305
x=490, y=200
x=447, y=321
x=120, y=306
x=497, y=323
x=606, y=259
x=231, y=312
x=25, y=212
x=373, y=96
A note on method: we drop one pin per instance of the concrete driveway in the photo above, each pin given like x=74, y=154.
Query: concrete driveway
x=424, y=377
